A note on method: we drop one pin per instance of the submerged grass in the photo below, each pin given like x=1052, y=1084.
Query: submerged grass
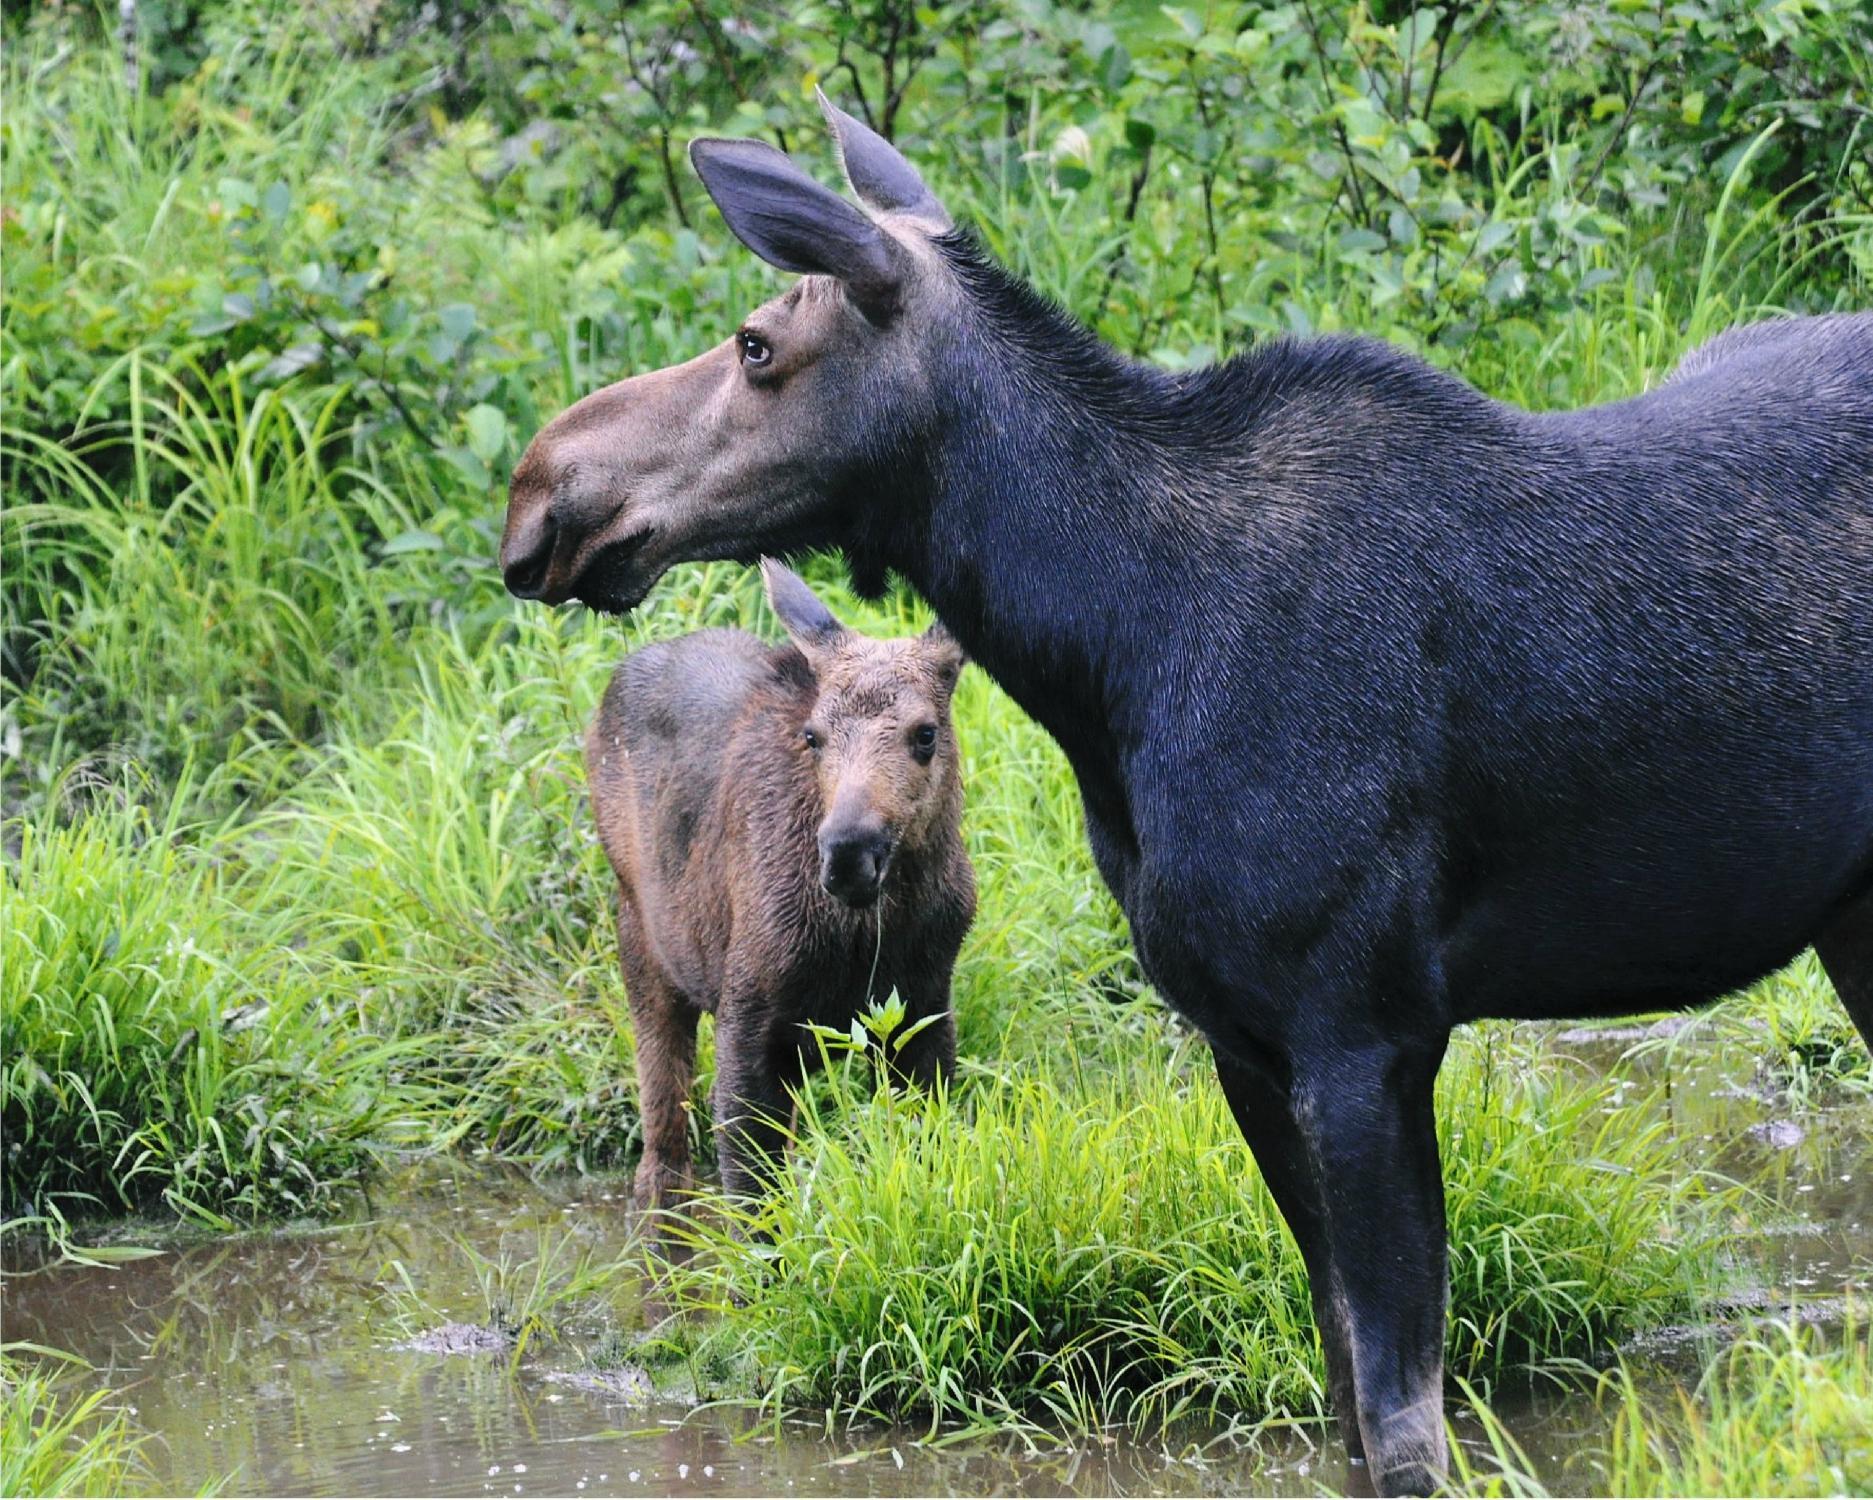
x=1024, y=1250
x=1787, y=1409
x=531, y=1293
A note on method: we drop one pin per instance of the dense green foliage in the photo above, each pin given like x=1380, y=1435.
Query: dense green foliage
x=298, y=869
x=155, y=1049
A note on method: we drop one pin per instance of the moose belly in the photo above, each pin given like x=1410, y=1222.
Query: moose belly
x=1662, y=909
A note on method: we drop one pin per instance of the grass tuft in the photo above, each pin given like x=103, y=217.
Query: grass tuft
x=56, y=1442
x=1787, y=1409
x=164, y=1043
x=1021, y=1250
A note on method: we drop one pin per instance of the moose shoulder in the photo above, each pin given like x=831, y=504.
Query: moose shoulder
x=1391, y=706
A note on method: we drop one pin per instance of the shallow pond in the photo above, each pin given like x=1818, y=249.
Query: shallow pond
x=282, y=1358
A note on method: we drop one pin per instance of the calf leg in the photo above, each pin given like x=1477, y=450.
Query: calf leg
x=1263, y=1111
x=753, y=1113
x=1366, y=1121
x=1846, y=952
x=663, y=1026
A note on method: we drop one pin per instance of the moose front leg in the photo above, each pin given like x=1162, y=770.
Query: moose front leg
x=1259, y=1100
x=1367, y=1122
x=753, y=1113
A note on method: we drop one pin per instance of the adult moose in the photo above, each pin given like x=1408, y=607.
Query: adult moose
x=1391, y=707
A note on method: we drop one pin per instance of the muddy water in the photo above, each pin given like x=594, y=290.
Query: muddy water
x=280, y=1358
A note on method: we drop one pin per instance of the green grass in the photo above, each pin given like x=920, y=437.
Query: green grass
x=1779, y=1413
x=163, y=1044
x=56, y=1442
x=1808, y=1046
x=1786, y=1409
x=1028, y=1250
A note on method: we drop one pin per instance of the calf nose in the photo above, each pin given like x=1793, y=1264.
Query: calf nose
x=852, y=862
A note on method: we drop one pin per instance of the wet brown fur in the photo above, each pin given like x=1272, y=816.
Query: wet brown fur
x=709, y=804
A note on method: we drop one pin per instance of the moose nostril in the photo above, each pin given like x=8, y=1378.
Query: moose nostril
x=853, y=868
x=524, y=571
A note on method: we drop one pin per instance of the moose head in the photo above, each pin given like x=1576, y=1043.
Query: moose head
x=878, y=736
x=772, y=439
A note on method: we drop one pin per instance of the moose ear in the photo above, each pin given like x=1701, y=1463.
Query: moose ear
x=814, y=627
x=792, y=222
x=945, y=652
x=878, y=172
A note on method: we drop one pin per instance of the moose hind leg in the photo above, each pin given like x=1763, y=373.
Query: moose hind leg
x=1367, y=1118
x=1846, y=952
x=663, y=1027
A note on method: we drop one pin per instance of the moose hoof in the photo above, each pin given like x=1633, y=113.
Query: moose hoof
x=1409, y=1479
x=1410, y=1456
x=660, y=1185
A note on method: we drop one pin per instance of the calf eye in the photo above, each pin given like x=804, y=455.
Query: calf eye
x=923, y=741
x=754, y=349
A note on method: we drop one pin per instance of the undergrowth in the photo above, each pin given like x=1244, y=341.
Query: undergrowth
x=1030, y=1251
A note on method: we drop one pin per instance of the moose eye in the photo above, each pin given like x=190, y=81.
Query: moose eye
x=923, y=741
x=811, y=736
x=754, y=349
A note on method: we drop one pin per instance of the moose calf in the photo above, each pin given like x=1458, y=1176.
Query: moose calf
x=785, y=824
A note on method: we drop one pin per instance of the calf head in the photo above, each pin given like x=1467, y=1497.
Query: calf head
x=768, y=441
x=878, y=736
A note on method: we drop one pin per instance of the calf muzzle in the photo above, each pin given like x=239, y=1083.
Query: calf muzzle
x=852, y=862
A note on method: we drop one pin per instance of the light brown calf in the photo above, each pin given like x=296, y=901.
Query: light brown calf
x=785, y=825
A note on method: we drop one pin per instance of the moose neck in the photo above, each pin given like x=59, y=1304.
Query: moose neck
x=1027, y=532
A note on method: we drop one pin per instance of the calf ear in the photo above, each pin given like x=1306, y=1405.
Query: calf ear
x=945, y=652
x=790, y=221
x=878, y=173
x=813, y=627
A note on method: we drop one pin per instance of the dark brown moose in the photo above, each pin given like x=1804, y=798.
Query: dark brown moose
x=1391, y=706
x=785, y=824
